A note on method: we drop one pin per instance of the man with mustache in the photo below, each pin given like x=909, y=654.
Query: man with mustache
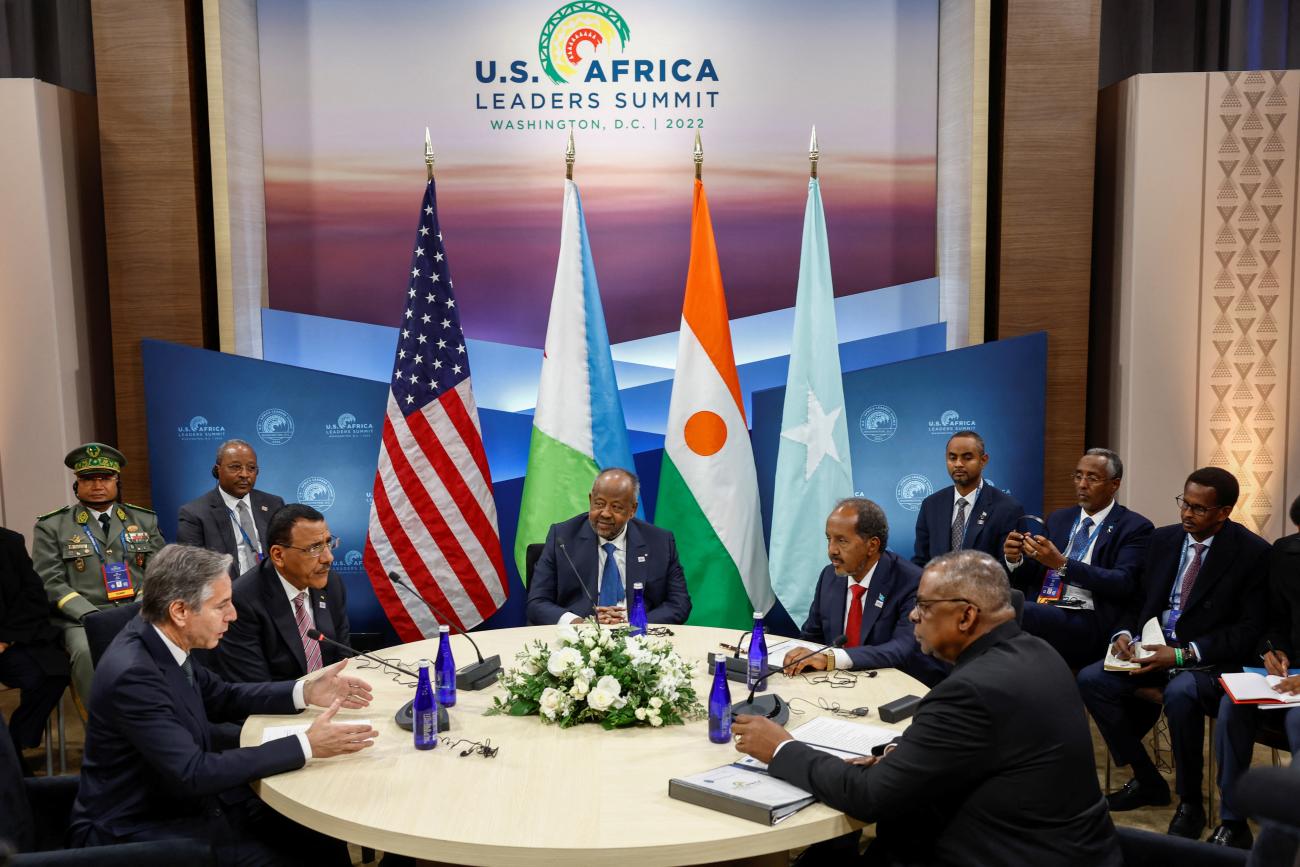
x=232, y=517
x=1204, y=581
x=291, y=591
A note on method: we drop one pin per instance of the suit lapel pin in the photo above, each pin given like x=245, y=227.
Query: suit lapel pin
x=983, y=515
x=640, y=558
x=263, y=508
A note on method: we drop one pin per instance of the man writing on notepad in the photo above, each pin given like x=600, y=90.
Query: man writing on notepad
x=1202, y=581
x=1234, y=738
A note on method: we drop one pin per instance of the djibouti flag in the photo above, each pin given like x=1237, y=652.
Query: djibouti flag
x=578, y=426
x=708, y=488
x=813, y=470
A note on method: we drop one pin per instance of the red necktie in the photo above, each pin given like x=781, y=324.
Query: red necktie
x=853, y=629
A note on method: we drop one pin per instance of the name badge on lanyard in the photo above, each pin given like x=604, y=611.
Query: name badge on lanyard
x=1053, y=587
x=117, y=581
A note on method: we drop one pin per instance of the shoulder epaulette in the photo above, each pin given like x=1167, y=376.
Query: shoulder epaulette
x=57, y=511
x=139, y=508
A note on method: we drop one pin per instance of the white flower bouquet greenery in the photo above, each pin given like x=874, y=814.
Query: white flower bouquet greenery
x=603, y=676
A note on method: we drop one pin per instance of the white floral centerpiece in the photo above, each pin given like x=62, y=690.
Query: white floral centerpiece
x=600, y=675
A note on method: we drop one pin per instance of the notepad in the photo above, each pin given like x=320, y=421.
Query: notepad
x=838, y=737
x=1152, y=636
x=740, y=792
x=1249, y=688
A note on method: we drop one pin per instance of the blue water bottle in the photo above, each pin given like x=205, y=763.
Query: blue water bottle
x=719, y=702
x=444, y=668
x=636, y=614
x=756, y=673
x=425, y=711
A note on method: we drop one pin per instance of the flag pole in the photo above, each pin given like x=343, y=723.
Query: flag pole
x=813, y=154
x=569, y=156
x=428, y=153
x=699, y=158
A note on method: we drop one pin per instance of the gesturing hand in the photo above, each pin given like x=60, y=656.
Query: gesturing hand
x=328, y=738
x=331, y=684
x=757, y=736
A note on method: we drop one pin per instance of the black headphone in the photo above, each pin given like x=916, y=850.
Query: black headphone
x=214, y=472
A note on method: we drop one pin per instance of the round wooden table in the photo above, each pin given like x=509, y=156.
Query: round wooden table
x=581, y=795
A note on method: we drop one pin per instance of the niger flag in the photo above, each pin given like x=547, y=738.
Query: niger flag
x=708, y=489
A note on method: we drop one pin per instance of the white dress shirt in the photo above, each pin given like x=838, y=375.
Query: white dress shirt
x=842, y=659
x=292, y=592
x=298, y=701
x=247, y=555
x=620, y=558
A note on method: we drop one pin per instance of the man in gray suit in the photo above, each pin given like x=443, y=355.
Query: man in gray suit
x=232, y=517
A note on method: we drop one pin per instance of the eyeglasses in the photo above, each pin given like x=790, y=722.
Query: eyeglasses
x=1090, y=478
x=926, y=604
x=239, y=468
x=1198, y=511
x=332, y=543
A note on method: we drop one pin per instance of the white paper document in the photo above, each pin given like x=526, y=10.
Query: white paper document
x=1152, y=636
x=271, y=733
x=838, y=737
x=776, y=652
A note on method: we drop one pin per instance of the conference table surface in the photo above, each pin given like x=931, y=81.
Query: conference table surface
x=581, y=795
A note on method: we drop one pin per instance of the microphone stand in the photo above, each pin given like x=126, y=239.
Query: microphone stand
x=405, y=716
x=583, y=584
x=476, y=675
x=772, y=706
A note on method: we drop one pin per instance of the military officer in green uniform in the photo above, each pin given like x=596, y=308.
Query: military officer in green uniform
x=92, y=554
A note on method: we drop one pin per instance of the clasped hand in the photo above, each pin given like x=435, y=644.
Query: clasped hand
x=332, y=690
x=1038, y=548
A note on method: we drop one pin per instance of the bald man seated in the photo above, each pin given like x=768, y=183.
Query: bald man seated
x=591, y=561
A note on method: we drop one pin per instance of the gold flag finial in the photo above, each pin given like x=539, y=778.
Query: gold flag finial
x=813, y=153
x=699, y=157
x=428, y=153
x=569, y=156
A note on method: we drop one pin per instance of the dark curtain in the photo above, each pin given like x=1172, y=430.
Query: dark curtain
x=1197, y=36
x=49, y=40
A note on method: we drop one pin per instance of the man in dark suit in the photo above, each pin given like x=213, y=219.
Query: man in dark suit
x=150, y=770
x=600, y=555
x=291, y=591
x=31, y=651
x=232, y=517
x=995, y=768
x=866, y=594
x=1203, y=580
x=969, y=513
x=1080, y=576
x=1234, y=737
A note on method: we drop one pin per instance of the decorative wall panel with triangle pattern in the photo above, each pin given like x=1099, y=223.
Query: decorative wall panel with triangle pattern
x=1248, y=257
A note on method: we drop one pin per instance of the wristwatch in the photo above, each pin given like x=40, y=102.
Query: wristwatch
x=830, y=659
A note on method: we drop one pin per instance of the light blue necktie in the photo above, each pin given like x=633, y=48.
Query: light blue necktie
x=611, y=582
x=1079, y=546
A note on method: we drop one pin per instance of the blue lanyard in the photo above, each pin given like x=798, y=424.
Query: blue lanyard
x=1069, y=543
x=235, y=518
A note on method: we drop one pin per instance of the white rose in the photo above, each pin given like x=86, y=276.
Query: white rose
x=595, y=653
x=551, y=702
x=640, y=713
x=599, y=699
x=656, y=720
x=580, y=688
x=610, y=684
x=529, y=667
x=563, y=660
x=656, y=702
x=620, y=702
x=566, y=633
x=588, y=642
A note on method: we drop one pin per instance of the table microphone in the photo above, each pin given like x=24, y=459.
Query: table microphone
x=772, y=705
x=583, y=584
x=405, y=717
x=476, y=675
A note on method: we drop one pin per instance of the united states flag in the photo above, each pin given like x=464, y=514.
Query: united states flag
x=433, y=519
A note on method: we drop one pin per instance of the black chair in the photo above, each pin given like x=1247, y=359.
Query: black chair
x=1149, y=849
x=532, y=554
x=34, y=814
x=1018, y=605
x=103, y=626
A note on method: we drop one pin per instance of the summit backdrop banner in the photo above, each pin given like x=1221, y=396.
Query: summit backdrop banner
x=348, y=88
